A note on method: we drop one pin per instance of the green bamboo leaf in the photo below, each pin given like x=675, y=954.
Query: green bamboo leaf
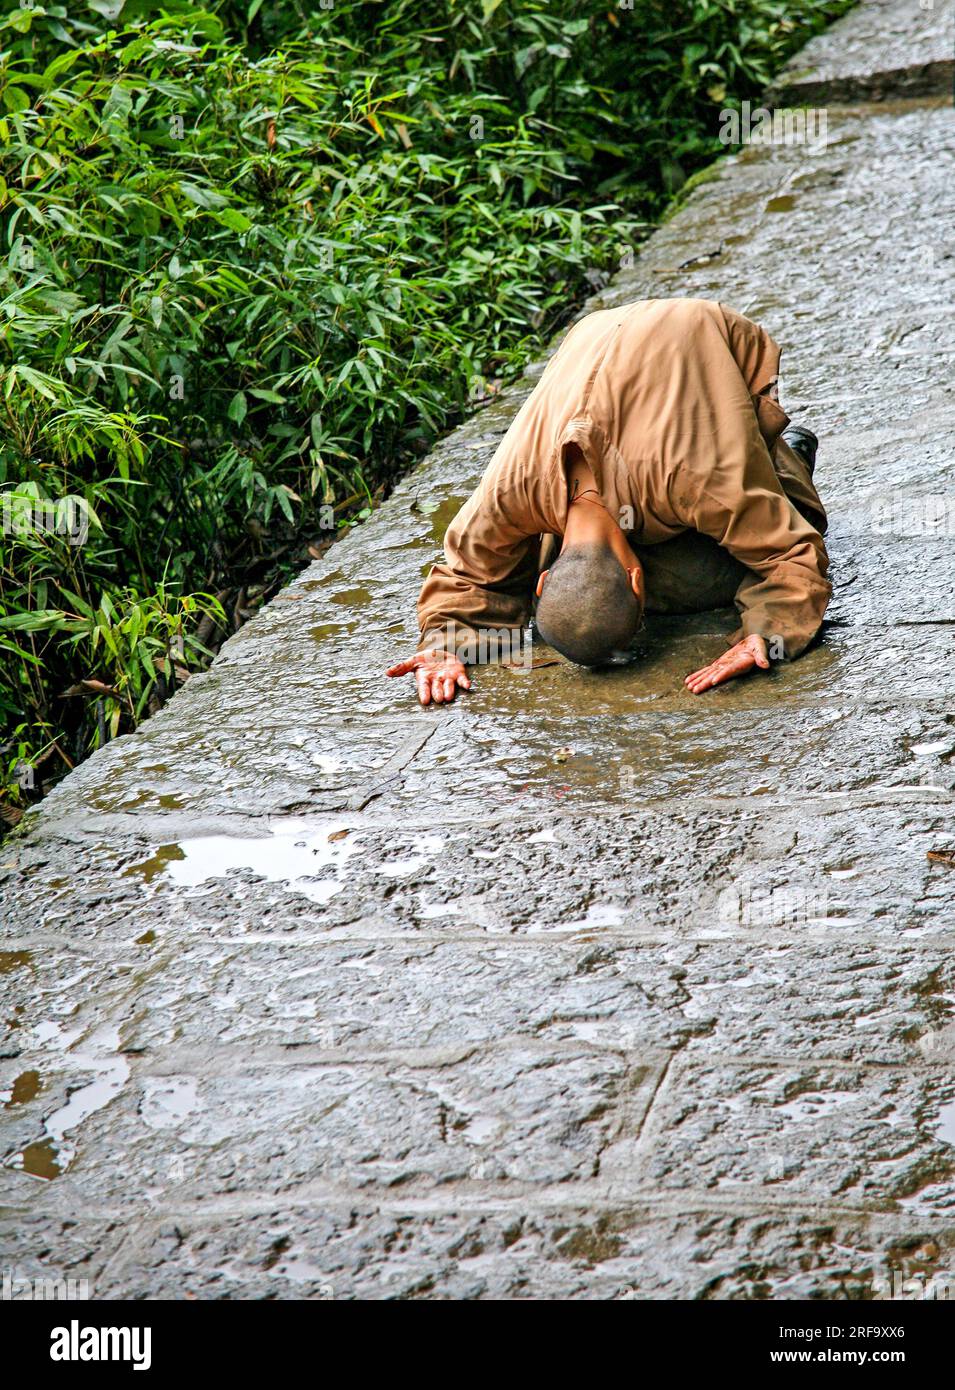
x=15, y=99
x=47, y=386
x=21, y=653
x=233, y=219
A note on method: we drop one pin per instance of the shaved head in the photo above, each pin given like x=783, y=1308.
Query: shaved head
x=587, y=609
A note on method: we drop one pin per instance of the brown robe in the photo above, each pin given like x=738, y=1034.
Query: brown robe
x=669, y=401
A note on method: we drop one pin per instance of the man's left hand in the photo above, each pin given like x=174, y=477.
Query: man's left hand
x=736, y=662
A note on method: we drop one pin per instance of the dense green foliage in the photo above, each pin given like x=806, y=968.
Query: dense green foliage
x=256, y=256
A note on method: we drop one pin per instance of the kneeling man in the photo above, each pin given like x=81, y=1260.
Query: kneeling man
x=650, y=459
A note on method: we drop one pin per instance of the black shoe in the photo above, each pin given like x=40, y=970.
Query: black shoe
x=804, y=443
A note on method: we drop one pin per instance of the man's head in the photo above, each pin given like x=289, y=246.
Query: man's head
x=589, y=605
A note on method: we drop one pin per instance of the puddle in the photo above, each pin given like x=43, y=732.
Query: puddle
x=815, y=1104
x=158, y=864
x=484, y=1129
x=429, y=911
x=945, y=1123
x=324, y=630
x=785, y=203
x=166, y=800
x=302, y=1272
x=40, y=1160
x=52, y=1155
x=14, y=960
x=295, y=853
x=333, y=577
x=327, y=764
x=543, y=837
x=24, y=1089
x=166, y=1103
x=48, y=1032
x=351, y=598
x=598, y=915
x=441, y=514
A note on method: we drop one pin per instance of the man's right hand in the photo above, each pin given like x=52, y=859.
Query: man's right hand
x=438, y=675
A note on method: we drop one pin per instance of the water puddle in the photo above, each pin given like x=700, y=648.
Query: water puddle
x=327, y=764
x=303, y=1272
x=430, y=911
x=598, y=915
x=40, y=1160
x=167, y=1102
x=24, y=1089
x=945, y=1123
x=441, y=514
x=52, y=1155
x=333, y=577
x=351, y=598
x=14, y=960
x=158, y=864
x=815, y=1104
x=323, y=630
x=147, y=797
x=483, y=1129
x=298, y=852
x=50, y=1034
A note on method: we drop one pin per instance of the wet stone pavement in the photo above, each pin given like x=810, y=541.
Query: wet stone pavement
x=581, y=988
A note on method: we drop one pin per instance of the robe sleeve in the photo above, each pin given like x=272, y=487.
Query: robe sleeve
x=744, y=507
x=476, y=602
